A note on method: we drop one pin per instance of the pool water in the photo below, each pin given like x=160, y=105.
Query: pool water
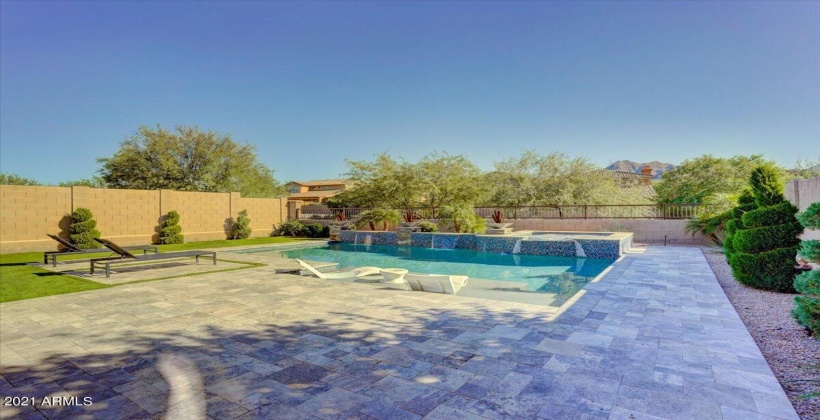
x=561, y=276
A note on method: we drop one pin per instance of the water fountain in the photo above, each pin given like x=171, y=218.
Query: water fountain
x=517, y=247
x=579, y=250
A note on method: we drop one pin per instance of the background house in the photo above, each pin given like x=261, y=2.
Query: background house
x=639, y=184
x=317, y=191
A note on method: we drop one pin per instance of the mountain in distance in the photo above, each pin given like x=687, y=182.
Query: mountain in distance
x=658, y=168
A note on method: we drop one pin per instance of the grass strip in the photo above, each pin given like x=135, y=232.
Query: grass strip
x=19, y=280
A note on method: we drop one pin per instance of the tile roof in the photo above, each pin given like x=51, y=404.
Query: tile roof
x=625, y=175
x=313, y=194
x=320, y=182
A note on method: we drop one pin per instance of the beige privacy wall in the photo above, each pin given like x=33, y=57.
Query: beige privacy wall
x=129, y=217
x=802, y=193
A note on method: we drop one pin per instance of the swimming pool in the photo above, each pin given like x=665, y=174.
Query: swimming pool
x=559, y=277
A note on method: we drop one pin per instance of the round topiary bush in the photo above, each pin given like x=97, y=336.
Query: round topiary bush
x=764, y=242
x=241, y=227
x=171, y=231
x=83, y=229
x=807, y=306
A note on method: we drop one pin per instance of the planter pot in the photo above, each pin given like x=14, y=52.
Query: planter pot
x=498, y=225
x=346, y=225
x=408, y=224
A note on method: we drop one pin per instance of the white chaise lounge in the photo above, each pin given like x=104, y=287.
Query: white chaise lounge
x=352, y=274
x=436, y=283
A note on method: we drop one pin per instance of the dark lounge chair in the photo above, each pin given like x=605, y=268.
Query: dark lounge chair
x=125, y=257
x=71, y=249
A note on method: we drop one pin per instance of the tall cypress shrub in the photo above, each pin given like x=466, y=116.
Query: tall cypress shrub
x=241, y=227
x=83, y=229
x=765, y=243
x=171, y=231
x=746, y=202
x=807, y=305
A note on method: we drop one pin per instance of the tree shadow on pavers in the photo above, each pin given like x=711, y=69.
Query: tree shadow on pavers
x=379, y=354
x=304, y=365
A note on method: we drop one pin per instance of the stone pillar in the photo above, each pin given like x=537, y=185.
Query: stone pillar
x=293, y=209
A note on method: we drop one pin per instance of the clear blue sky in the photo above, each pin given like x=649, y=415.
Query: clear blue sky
x=313, y=83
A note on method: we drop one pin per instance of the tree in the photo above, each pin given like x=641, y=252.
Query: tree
x=93, y=182
x=14, y=179
x=807, y=306
x=170, y=231
x=435, y=180
x=450, y=180
x=553, y=179
x=805, y=169
x=765, y=246
x=83, y=229
x=695, y=179
x=384, y=182
x=188, y=159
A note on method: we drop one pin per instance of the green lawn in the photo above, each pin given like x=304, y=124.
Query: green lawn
x=226, y=243
x=19, y=281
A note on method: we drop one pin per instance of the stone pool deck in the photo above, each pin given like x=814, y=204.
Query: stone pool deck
x=654, y=338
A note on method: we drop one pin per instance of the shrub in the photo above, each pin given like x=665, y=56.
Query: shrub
x=462, y=219
x=427, y=227
x=764, y=242
x=83, y=229
x=766, y=186
x=746, y=203
x=316, y=230
x=241, y=227
x=170, y=231
x=289, y=228
x=807, y=306
x=377, y=216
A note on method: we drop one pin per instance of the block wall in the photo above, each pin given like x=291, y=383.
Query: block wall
x=802, y=193
x=28, y=213
x=128, y=217
x=263, y=214
x=203, y=216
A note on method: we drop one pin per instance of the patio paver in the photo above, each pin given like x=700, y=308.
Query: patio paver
x=654, y=338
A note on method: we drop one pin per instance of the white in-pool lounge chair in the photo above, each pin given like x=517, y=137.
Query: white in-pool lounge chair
x=352, y=274
x=436, y=283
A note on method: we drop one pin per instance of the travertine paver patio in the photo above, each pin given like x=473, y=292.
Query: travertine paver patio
x=654, y=338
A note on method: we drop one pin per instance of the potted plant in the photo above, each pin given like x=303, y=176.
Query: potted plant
x=341, y=221
x=409, y=219
x=498, y=220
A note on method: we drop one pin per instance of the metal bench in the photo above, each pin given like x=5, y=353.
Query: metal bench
x=71, y=249
x=126, y=257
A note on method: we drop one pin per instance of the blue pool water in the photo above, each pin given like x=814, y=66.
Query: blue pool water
x=544, y=274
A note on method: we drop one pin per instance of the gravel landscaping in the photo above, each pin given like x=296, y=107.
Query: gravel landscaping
x=792, y=354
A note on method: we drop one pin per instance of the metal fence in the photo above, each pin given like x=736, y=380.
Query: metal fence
x=583, y=211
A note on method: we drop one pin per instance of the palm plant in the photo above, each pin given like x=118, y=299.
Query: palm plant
x=376, y=216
